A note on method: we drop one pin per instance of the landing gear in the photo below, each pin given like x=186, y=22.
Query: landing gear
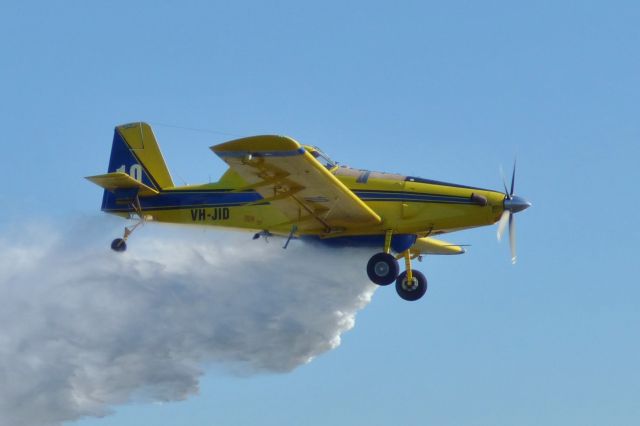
x=382, y=268
x=120, y=244
x=411, y=284
x=411, y=290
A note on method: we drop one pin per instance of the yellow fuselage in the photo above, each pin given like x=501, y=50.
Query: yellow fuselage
x=406, y=205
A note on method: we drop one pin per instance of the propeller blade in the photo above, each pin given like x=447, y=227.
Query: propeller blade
x=512, y=238
x=504, y=218
x=512, y=204
x=504, y=182
x=513, y=179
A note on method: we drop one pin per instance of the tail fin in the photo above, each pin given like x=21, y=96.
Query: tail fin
x=136, y=164
x=136, y=152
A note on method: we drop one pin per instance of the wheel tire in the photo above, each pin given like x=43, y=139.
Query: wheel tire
x=118, y=245
x=382, y=268
x=414, y=292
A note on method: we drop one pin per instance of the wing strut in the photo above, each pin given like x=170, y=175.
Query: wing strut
x=294, y=228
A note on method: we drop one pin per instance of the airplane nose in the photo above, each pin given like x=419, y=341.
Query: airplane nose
x=516, y=204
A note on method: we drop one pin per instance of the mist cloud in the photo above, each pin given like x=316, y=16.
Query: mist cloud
x=84, y=328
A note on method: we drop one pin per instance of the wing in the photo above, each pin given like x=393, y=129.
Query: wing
x=292, y=180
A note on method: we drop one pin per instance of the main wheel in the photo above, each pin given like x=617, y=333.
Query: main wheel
x=413, y=290
x=382, y=268
x=118, y=245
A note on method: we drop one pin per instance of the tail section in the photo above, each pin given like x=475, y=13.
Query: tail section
x=136, y=167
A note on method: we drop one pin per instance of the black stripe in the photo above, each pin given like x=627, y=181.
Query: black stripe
x=440, y=183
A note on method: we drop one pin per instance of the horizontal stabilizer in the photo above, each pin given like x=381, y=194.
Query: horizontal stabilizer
x=118, y=180
x=428, y=245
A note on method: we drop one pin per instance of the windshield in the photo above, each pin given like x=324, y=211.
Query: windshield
x=323, y=158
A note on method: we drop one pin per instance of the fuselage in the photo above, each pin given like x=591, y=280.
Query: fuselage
x=407, y=205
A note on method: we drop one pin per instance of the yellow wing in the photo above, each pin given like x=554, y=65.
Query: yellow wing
x=291, y=179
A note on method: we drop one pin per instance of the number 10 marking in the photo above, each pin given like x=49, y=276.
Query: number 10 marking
x=135, y=171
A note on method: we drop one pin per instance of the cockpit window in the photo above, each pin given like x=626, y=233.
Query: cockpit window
x=323, y=158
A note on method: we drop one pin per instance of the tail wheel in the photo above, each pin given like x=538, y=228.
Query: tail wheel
x=414, y=289
x=382, y=268
x=119, y=245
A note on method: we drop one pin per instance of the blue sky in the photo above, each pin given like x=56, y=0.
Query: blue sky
x=447, y=91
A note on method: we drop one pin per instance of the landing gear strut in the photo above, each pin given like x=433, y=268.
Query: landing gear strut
x=120, y=244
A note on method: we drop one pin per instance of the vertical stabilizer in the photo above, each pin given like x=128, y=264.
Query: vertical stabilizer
x=135, y=151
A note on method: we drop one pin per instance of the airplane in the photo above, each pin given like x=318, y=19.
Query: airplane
x=276, y=186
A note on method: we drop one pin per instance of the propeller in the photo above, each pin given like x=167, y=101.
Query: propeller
x=512, y=205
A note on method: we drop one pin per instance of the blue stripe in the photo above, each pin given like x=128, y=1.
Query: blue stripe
x=189, y=199
x=185, y=199
x=239, y=154
x=411, y=196
x=181, y=207
x=208, y=191
x=399, y=242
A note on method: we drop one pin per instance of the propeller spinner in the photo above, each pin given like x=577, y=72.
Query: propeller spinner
x=512, y=204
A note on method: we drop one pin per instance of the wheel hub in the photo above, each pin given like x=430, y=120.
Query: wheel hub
x=410, y=285
x=381, y=269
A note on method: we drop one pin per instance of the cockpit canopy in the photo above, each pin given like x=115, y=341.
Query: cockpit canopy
x=361, y=175
x=321, y=157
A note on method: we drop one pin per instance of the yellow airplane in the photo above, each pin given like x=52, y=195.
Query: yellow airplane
x=276, y=186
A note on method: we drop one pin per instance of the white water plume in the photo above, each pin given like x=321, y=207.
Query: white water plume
x=84, y=328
